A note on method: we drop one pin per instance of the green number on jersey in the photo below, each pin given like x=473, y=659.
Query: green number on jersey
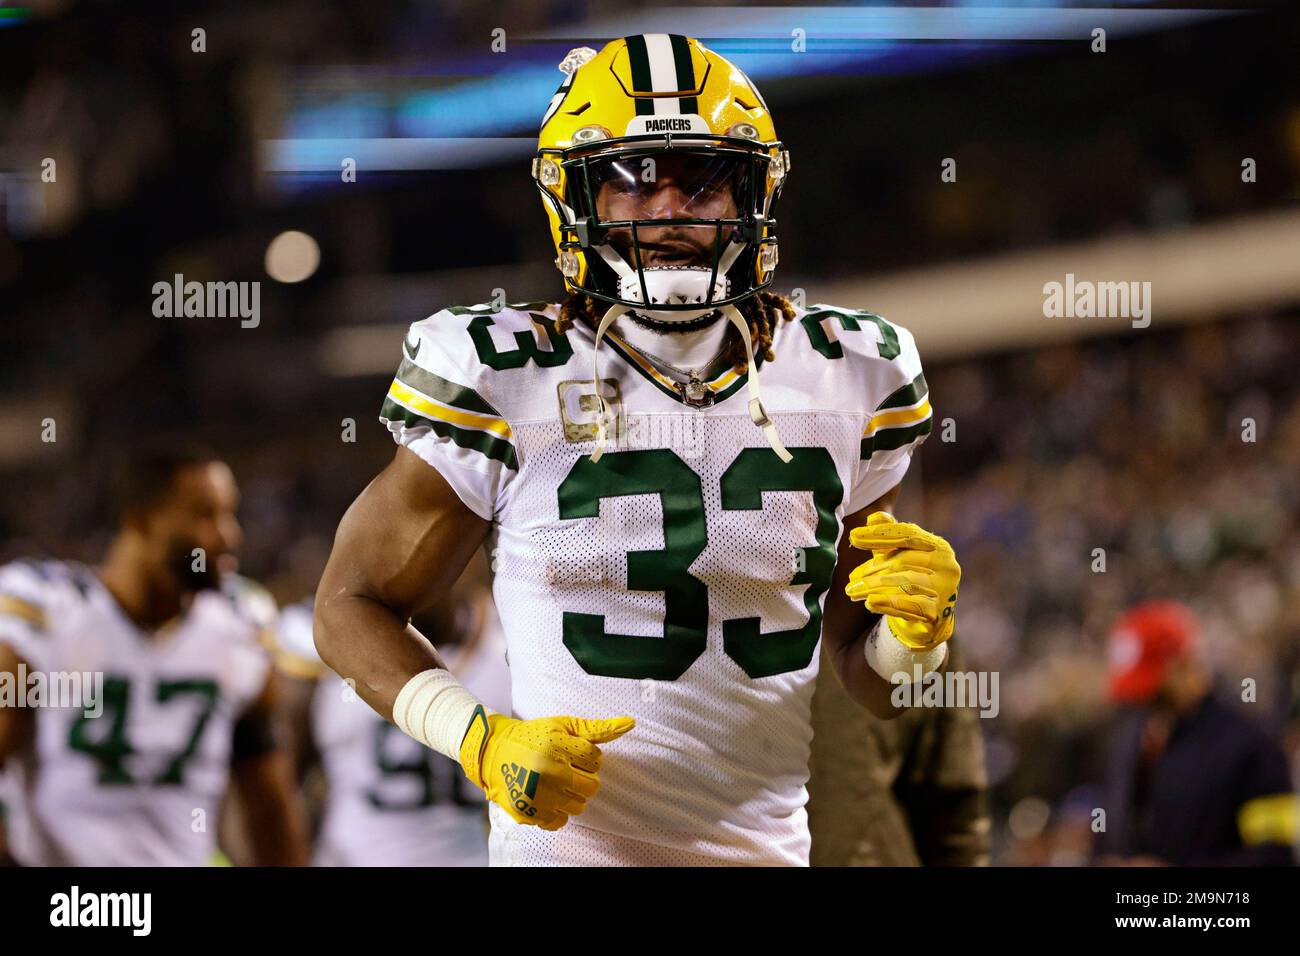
x=437, y=775
x=104, y=738
x=686, y=597
x=487, y=308
x=755, y=471
x=561, y=351
x=849, y=321
x=206, y=692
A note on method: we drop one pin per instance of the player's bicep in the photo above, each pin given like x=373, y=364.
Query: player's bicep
x=405, y=539
x=16, y=723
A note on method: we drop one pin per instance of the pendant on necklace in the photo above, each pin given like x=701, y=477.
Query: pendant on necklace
x=696, y=393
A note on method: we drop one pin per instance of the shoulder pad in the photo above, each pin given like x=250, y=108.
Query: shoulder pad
x=481, y=339
x=295, y=648
x=884, y=368
x=31, y=589
x=252, y=602
x=862, y=337
x=448, y=380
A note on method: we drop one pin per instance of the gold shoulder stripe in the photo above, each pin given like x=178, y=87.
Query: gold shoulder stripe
x=426, y=406
x=25, y=610
x=294, y=665
x=895, y=418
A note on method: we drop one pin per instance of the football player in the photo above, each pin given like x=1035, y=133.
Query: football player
x=391, y=801
x=670, y=541
x=136, y=775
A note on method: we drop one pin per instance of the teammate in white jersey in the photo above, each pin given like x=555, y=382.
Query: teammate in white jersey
x=134, y=772
x=391, y=801
x=671, y=546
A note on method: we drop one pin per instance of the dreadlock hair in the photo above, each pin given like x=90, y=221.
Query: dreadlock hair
x=762, y=310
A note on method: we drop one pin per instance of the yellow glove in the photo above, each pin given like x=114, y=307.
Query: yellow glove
x=541, y=771
x=911, y=579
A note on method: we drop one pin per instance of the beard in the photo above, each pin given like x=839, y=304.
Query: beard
x=670, y=248
x=191, y=574
x=668, y=328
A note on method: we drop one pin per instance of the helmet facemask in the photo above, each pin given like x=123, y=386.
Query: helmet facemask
x=700, y=242
x=675, y=222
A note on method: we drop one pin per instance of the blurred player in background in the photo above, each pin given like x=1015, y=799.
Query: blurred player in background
x=8, y=801
x=390, y=801
x=1191, y=781
x=912, y=791
x=188, y=694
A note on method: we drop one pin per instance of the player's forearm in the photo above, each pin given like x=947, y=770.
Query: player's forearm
x=863, y=684
x=370, y=644
x=6, y=858
x=275, y=815
x=295, y=716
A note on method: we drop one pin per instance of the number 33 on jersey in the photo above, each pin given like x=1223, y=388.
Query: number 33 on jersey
x=680, y=578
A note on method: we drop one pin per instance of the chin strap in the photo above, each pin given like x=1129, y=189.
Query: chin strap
x=757, y=413
x=756, y=410
x=608, y=320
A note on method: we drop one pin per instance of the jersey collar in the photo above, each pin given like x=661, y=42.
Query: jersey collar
x=719, y=378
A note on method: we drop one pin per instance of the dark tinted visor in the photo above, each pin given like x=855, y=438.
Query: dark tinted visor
x=668, y=185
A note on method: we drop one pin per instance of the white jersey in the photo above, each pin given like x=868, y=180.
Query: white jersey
x=391, y=800
x=679, y=580
x=138, y=779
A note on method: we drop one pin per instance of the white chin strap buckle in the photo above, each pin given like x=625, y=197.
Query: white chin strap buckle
x=674, y=285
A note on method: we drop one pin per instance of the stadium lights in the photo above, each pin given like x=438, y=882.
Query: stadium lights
x=292, y=257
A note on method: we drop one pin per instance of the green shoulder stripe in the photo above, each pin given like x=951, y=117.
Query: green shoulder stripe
x=887, y=439
x=490, y=446
x=489, y=309
x=442, y=390
x=908, y=395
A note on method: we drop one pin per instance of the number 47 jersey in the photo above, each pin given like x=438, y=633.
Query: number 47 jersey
x=128, y=766
x=681, y=578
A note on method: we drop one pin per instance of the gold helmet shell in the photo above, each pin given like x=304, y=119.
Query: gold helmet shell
x=646, y=93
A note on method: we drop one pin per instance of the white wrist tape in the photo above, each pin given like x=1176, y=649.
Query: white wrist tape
x=888, y=656
x=435, y=709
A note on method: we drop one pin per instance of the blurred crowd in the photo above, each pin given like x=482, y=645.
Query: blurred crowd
x=1084, y=479
x=1074, y=482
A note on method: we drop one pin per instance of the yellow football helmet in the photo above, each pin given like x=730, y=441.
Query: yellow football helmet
x=645, y=105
